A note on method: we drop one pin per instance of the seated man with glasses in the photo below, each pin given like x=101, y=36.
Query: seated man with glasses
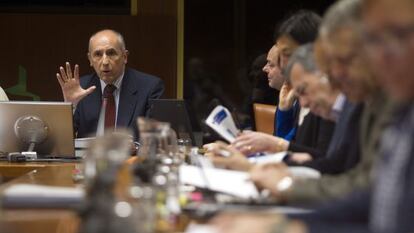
x=114, y=96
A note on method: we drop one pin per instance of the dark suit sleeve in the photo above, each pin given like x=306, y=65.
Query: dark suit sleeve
x=345, y=215
x=343, y=159
x=156, y=92
x=323, y=135
x=314, y=152
x=340, y=159
x=326, y=130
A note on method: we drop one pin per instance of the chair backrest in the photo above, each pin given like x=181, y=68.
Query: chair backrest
x=264, y=116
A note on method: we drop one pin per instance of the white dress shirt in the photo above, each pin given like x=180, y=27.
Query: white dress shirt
x=338, y=106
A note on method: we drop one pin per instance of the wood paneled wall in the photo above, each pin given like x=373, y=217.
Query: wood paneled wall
x=40, y=43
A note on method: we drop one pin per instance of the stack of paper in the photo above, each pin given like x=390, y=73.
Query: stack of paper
x=81, y=145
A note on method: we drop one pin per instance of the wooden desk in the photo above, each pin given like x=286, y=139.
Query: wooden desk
x=19, y=170
x=38, y=220
x=46, y=220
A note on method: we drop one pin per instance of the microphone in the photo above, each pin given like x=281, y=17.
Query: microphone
x=31, y=130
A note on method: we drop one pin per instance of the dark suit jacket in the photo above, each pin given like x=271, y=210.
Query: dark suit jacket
x=392, y=190
x=354, y=212
x=344, y=150
x=313, y=136
x=136, y=89
x=350, y=214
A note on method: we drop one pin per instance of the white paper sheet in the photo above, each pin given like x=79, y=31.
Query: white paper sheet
x=201, y=228
x=296, y=171
x=268, y=158
x=222, y=122
x=83, y=143
x=231, y=182
x=304, y=172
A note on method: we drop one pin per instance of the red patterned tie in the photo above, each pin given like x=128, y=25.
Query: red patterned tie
x=109, y=103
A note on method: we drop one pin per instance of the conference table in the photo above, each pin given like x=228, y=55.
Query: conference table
x=38, y=220
x=46, y=220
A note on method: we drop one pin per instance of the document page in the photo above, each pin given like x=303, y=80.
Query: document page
x=222, y=122
x=220, y=180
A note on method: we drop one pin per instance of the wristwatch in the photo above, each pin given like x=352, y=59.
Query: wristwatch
x=284, y=184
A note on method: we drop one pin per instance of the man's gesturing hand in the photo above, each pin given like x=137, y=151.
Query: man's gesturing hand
x=69, y=82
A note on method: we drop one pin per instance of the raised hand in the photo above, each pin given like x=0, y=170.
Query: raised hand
x=286, y=97
x=69, y=82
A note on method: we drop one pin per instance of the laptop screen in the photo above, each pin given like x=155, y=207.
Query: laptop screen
x=175, y=112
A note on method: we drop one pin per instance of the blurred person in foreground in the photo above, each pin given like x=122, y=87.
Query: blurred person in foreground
x=356, y=137
x=388, y=205
x=348, y=68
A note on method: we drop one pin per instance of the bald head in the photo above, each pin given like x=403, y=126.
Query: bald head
x=272, y=68
x=107, y=55
x=110, y=34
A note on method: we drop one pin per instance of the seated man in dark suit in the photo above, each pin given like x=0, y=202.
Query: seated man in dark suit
x=114, y=96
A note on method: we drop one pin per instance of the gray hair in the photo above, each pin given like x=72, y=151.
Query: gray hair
x=118, y=35
x=304, y=56
x=342, y=13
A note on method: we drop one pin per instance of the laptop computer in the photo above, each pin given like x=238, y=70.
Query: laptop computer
x=175, y=112
x=44, y=127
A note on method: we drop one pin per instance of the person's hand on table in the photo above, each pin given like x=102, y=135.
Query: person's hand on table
x=224, y=155
x=69, y=82
x=255, y=223
x=300, y=157
x=274, y=177
x=286, y=97
x=250, y=142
